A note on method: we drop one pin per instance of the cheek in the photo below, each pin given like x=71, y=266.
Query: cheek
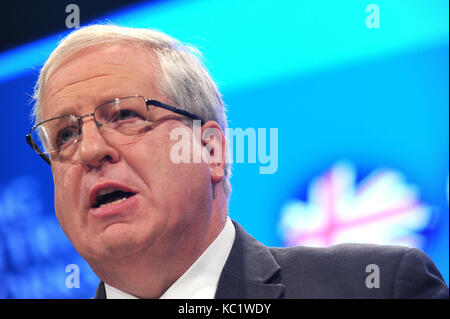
x=150, y=156
x=67, y=188
x=177, y=184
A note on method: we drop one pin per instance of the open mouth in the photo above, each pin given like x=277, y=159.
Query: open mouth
x=111, y=196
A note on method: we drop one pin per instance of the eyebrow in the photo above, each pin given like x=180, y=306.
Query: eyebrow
x=62, y=110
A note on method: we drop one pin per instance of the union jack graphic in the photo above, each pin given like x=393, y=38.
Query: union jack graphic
x=382, y=209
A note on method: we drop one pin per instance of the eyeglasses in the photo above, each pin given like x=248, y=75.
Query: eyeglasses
x=129, y=115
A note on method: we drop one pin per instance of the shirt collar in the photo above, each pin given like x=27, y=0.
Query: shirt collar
x=201, y=279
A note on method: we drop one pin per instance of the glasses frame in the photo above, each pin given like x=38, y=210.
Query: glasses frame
x=148, y=102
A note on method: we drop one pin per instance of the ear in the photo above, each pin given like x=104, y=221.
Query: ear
x=214, y=150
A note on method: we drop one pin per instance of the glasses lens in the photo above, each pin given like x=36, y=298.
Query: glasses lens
x=126, y=115
x=53, y=135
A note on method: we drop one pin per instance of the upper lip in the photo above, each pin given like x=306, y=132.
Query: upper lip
x=104, y=185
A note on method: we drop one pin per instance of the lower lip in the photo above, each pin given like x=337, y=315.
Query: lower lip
x=122, y=207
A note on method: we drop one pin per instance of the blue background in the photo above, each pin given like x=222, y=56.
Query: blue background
x=333, y=87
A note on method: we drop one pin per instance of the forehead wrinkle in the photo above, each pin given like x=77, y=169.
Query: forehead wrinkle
x=77, y=82
x=56, y=84
x=95, y=94
x=54, y=97
x=84, y=63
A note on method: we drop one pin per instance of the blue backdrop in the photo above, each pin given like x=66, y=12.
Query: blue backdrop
x=358, y=97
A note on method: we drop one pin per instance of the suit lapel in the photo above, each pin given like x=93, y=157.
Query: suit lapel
x=250, y=271
x=101, y=292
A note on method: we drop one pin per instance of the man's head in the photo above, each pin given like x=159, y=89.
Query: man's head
x=174, y=206
x=183, y=77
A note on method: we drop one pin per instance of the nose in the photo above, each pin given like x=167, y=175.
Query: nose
x=94, y=150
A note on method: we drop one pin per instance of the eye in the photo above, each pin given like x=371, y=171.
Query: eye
x=66, y=136
x=127, y=114
x=123, y=114
x=125, y=117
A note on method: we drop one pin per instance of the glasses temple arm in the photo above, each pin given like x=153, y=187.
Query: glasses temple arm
x=174, y=109
x=35, y=147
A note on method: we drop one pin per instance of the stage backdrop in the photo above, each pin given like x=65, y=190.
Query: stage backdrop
x=344, y=106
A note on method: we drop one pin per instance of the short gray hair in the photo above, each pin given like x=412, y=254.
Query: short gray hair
x=185, y=81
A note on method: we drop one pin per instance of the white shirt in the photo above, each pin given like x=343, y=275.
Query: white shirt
x=201, y=279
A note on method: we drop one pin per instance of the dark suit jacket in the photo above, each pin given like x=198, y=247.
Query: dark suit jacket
x=256, y=271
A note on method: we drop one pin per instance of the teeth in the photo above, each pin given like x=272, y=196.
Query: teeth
x=113, y=203
x=106, y=191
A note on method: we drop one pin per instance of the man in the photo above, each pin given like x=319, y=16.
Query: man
x=107, y=102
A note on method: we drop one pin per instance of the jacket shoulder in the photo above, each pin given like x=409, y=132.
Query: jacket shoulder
x=340, y=253
x=359, y=271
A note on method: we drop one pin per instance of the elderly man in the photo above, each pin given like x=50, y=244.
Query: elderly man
x=107, y=101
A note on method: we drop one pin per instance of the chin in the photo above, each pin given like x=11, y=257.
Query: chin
x=118, y=241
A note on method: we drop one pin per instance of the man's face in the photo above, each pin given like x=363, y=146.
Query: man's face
x=171, y=205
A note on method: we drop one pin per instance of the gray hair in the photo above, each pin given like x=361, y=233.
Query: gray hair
x=185, y=79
